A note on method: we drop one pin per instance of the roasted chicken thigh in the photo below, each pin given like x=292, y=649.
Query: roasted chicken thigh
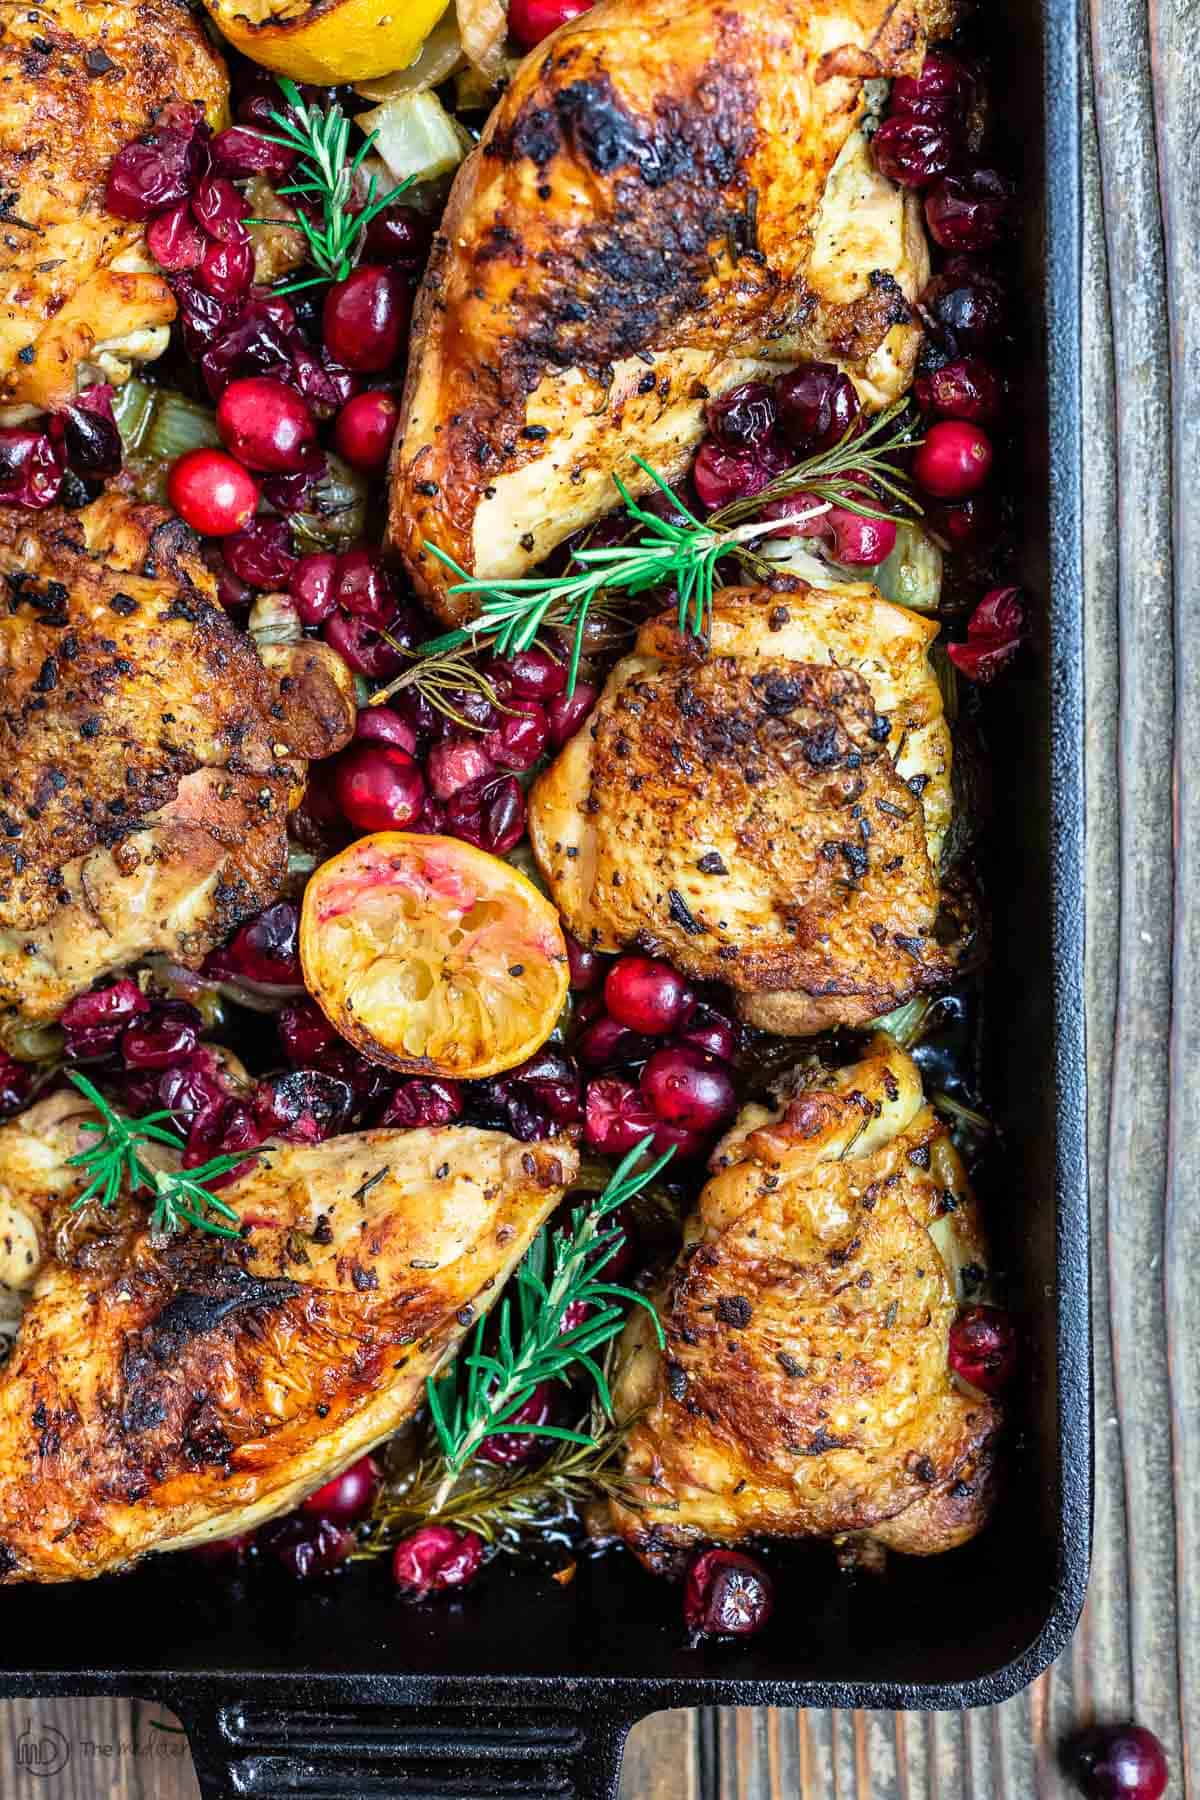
x=669, y=200
x=165, y=1391
x=767, y=812
x=805, y=1389
x=79, y=297
x=148, y=753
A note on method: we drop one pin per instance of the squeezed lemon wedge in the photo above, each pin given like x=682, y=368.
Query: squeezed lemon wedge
x=331, y=41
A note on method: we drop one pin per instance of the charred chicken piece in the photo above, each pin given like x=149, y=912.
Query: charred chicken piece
x=78, y=294
x=770, y=814
x=669, y=200
x=163, y=1392
x=148, y=754
x=805, y=1389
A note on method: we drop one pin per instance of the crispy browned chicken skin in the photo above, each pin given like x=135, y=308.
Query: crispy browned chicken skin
x=166, y=1391
x=78, y=79
x=805, y=1389
x=770, y=814
x=649, y=219
x=148, y=754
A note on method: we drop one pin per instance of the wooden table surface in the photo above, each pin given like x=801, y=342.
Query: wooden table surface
x=1137, y=1651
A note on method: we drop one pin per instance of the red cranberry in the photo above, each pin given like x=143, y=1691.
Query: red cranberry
x=92, y=1023
x=306, y=1547
x=915, y=152
x=161, y=1038
x=265, y=950
x=89, y=432
x=239, y=153
x=348, y=1496
x=455, y=763
x=435, y=1558
x=226, y=1552
x=722, y=476
x=378, y=788
x=364, y=431
x=616, y=1116
x=361, y=647
x=607, y=1044
x=227, y=268
x=261, y=554
x=530, y=21
x=707, y=1029
x=1120, y=1762
x=489, y=813
x=194, y=1086
x=31, y=468
x=220, y=209
x=689, y=1088
x=743, y=418
x=380, y=725
x=509, y=1449
x=16, y=1083
x=174, y=239
x=521, y=736
x=818, y=405
x=400, y=235
x=366, y=317
x=953, y=461
x=968, y=306
x=983, y=1348
x=533, y=1100
x=265, y=424
x=211, y=492
x=944, y=87
x=726, y=1595
x=312, y=586
x=565, y=715
x=221, y=1131
x=968, y=211
x=586, y=966
x=158, y=171
x=646, y=994
x=305, y=1033
x=363, y=588
x=968, y=389
x=994, y=634
x=533, y=674
x=974, y=524
x=855, y=539
x=305, y=1106
x=422, y=1102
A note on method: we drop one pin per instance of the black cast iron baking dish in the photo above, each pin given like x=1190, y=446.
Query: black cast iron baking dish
x=528, y=1688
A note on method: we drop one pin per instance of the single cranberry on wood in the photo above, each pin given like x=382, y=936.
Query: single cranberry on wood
x=1119, y=1762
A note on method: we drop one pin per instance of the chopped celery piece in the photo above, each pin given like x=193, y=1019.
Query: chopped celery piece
x=912, y=574
x=416, y=137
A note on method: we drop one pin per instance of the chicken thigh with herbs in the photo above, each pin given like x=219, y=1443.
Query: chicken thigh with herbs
x=768, y=812
x=79, y=296
x=164, y=1391
x=805, y=1389
x=669, y=200
x=148, y=754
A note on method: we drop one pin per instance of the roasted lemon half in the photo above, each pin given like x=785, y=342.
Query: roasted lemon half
x=432, y=956
x=328, y=41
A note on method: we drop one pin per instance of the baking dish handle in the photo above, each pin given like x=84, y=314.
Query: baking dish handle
x=405, y=1752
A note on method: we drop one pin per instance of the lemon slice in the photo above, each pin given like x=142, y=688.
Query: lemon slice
x=432, y=956
x=328, y=41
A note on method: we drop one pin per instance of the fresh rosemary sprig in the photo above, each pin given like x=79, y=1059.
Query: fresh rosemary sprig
x=560, y=1269
x=114, y=1161
x=325, y=173
x=683, y=555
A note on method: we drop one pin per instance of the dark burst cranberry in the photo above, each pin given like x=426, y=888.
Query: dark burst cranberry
x=399, y=235
x=818, y=405
x=721, y=476
x=533, y=1101
x=473, y=706
x=240, y=152
x=511, y=1449
x=93, y=1022
x=944, y=87
x=161, y=1037
x=220, y=210
x=968, y=211
x=994, y=633
x=743, y=418
x=616, y=1116
x=32, y=468
x=915, y=152
x=607, y=1044
x=306, y=1034
x=366, y=317
x=968, y=306
x=383, y=725
x=16, y=1084
x=90, y=438
x=227, y=268
x=174, y=239
x=646, y=994
x=364, y=649
x=521, y=736
x=305, y=1106
x=348, y=1496
x=455, y=763
x=202, y=318
x=379, y=788
x=222, y=1131
x=158, y=171
x=226, y=1553
x=416, y=711
x=974, y=524
x=587, y=967
x=312, y=586
x=966, y=389
x=1119, y=1762
x=685, y=1086
x=436, y=1558
x=191, y=1087
x=490, y=814
x=293, y=493
x=422, y=1101
x=983, y=1348
x=707, y=1029
x=532, y=674
x=363, y=588
x=306, y=1547
x=237, y=344
x=261, y=554
x=566, y=714
x=726, y=1595
x=266, y=949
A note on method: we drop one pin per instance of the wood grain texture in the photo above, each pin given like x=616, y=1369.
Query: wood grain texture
x=1137, y=1651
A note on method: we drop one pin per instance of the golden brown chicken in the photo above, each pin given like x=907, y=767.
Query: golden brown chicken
x=770, y=814
x=148, y=754
x=78, y=295
x=805, y=1389
x=165, y=1391
x=670, y=199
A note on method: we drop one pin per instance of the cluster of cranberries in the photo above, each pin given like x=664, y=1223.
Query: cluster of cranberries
x=81, y=438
